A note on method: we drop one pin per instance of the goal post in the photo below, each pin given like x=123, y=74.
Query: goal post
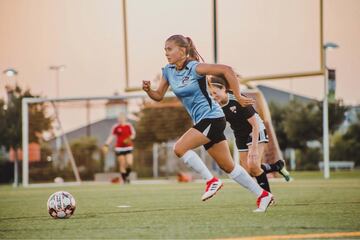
x=58, y=109
x=79, y=158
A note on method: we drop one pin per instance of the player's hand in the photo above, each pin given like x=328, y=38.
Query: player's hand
x=105, y=148
x=127, y=140
x=146, y=85
x=245, y=101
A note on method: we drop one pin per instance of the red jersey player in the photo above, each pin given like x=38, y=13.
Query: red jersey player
x=124, y=133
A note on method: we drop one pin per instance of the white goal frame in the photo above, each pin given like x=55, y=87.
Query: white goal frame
x=25, y=125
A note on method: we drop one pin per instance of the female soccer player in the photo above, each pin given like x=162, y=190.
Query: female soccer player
x=250, y=133
x=187, y=78
x=124, y=133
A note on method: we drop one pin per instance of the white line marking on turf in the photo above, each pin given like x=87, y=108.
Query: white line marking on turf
x=300, y=236
x=123, y=206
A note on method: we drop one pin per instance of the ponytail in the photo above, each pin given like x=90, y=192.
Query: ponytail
x=192, y=52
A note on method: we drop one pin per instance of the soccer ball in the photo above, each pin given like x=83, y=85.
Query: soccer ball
x=61, y=205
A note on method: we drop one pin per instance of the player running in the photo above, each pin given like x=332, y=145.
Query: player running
x=250, y=133
x=187, y=78
x=124, y=133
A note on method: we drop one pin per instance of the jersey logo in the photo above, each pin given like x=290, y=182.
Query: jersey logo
x=233, y=109
x=185, y=81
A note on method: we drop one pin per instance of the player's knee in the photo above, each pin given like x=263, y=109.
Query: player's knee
x=178, y=150
x=254, y=170
x=227, y=167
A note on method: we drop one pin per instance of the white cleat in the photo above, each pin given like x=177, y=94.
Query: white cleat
x=212, y=186
x=264, y=201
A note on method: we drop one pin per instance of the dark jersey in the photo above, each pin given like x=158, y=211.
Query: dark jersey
x=238, y=116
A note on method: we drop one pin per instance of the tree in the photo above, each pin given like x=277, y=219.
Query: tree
x=346, y=147
x=336, y=114
x=161, y=122
x=297, y=123
x=2, y=121
x=302, y=123
x=278, y=119
x=11, y=117
x=87, y=155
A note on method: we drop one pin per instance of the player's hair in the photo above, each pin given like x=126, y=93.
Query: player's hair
x=189, y=46
x=219, y=82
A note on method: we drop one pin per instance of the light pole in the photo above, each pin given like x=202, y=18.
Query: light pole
x=326, y=154
x=57, y=69
x=9, y=84
x=9, y=87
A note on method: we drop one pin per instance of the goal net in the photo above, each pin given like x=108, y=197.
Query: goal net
x=72, y=150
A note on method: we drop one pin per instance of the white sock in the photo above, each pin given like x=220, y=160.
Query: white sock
x=192, y=160
x=240, y=176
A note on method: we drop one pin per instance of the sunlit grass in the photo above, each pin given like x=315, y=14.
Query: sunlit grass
x=309, y=204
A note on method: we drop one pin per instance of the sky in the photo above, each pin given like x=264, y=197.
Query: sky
x=255, y=37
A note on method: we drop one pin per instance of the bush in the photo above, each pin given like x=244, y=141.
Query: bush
x=308, y=159
x=6, y=171
x=88, y=157
x=347, y=147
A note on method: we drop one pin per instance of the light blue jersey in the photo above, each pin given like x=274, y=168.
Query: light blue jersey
x=191, y=89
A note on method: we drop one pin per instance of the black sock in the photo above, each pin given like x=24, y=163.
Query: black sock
x=263, y=181
x=266, y=167
x=275, y=167
x=124, y=177
x=128, y=171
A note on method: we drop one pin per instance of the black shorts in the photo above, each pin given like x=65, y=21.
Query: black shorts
x=213, y=129
x=243, y=142
x=119, y=151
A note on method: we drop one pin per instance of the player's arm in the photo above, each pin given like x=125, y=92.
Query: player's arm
x=253, y=149
x=230, y=76
x=157, y=94
x=108, y=141
x=133, y=133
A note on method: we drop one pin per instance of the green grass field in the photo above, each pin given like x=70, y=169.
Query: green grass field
x=308, y=204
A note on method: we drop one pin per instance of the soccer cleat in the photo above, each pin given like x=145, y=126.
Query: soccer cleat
x=282, y=170
x=212, y=186
x=272, y=203
x=264, y=201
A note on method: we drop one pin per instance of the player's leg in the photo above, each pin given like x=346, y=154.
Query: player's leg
x=183, y=149
x=243, y=151
x=256, y=171
x=243, y=155
x=122, y=167
x=278, y=166
x=221, y=153
x=129, y=163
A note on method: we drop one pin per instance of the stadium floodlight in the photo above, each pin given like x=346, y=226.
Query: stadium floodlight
x=326, y=152
x=10, y=72
x=330, y=45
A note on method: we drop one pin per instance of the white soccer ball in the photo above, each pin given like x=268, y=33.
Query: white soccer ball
x=61, y=205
